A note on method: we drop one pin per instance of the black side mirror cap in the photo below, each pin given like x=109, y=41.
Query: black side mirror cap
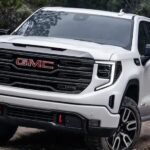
x=4, y=31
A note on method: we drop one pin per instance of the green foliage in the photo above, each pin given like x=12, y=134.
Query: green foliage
x=34, y=4
x=10, y=4
x=12, y=12
x=144, y=8
x=9, y=16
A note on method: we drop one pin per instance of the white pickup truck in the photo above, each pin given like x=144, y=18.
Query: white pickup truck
x=80, y=70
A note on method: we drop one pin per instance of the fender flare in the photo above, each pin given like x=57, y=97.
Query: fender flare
x=130, y=83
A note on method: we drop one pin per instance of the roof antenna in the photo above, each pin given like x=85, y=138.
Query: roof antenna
x=121, y=13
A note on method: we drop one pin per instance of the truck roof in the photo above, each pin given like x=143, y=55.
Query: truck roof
x=91, y=11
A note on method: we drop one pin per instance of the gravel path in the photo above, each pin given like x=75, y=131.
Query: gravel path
x=33, y=139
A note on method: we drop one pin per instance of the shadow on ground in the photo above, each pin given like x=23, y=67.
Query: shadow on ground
x=33, y=139
x=42, y=140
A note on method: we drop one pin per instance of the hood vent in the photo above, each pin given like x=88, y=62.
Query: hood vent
x=52, y=48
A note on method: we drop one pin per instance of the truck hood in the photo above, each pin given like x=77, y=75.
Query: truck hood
x=97, y=51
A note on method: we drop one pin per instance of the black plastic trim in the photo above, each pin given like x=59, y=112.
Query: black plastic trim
x=25, y=45
x=101, y=131
x=137, y=61
x=131, y=82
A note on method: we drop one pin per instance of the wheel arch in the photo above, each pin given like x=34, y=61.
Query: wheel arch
x=132, y=90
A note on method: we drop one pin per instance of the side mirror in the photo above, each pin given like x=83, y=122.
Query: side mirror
x=4, y=31
x=146, y=56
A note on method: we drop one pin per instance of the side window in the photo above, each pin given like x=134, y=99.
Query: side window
x=148, y=30
x=143, y=38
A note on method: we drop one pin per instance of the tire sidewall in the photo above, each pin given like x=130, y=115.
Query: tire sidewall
x=131, y=104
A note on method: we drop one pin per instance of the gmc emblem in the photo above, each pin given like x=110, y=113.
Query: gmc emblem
x=41, y=64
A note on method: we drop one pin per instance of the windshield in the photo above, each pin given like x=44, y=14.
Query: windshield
x=84, y=27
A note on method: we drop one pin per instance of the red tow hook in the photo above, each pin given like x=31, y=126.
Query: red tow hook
x=60, y=119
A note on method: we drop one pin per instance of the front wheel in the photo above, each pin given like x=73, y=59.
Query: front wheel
x=127, y=133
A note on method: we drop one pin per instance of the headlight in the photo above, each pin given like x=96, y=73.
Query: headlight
x=109, y=71
x=104, y=71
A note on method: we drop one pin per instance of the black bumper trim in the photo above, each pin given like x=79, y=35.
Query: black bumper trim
x=27, y=122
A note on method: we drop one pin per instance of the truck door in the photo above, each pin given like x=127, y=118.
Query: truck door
x=143, y=39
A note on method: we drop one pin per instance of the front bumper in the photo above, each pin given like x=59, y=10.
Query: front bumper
x=108, y=121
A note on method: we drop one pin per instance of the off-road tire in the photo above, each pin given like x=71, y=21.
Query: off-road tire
x=99, y=143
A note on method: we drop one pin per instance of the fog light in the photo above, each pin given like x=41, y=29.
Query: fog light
x=94, y=123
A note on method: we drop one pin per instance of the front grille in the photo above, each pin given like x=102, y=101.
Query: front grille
x=69, y=74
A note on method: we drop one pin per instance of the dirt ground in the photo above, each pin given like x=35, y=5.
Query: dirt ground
x=33, y=139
